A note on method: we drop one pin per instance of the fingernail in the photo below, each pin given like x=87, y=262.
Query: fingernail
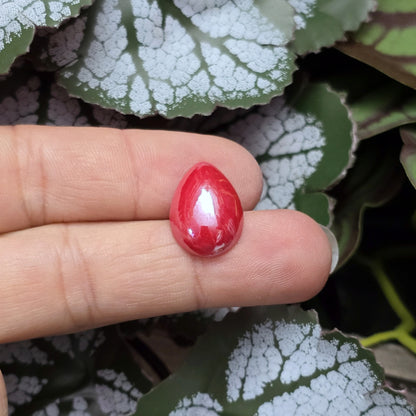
x=334, y=247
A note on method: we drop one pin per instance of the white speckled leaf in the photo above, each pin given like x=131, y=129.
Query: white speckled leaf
x=53, y=48
x=30, y=97
x=182, y=57
x=302, y=148
x=18, y=20
x=303, y=141
x=199, y=404
x=87, y=373
x=408, y=153
x=321, y=23
x=275, y=361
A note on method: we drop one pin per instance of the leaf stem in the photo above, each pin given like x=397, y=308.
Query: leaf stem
x=378, y=338
x=397, y=252
x=408, y=323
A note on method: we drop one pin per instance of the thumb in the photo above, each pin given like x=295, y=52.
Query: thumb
x=3, y=397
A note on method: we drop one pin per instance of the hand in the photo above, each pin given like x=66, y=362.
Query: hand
x=3, y=397
x=86, y=239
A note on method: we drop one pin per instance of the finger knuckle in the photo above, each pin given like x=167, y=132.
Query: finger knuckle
x=76, y=282
x=31, y=177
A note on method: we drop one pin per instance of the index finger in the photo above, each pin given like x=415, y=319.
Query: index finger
x=77, y=174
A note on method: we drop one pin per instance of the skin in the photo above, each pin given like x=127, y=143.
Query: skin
x=3, y=397
x=85, y=237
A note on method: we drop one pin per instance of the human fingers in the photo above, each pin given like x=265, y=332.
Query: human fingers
x=74, y=174
x=65, y=278
x=3, y=397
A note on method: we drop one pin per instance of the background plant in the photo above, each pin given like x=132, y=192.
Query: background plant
x=322, y=93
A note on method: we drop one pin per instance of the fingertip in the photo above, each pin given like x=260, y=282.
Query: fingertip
x=283, y=257
x=313, y=256
x=301, y=253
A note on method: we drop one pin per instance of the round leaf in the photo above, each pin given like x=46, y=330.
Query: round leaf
x=18, y=20
x=29, y=97
x=274, y=360
x=377, y=102
x=181, y=57
x=335, y=16
x=90, y=371
x=387, y=42
x=303, y=143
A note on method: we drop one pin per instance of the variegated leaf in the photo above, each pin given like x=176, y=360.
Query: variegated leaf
x=18, y=20
x=272, y=361
x=86, y=373
x=388, y=41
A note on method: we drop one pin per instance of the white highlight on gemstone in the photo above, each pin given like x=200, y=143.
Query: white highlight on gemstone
x=205, y=206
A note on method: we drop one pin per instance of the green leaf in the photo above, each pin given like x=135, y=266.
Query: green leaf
x=303, y=143
x=53, y=48
x=383, y=108
x=274, y=360
x=321, y=23
x=90, y=371
x=408, y=153
x=19, y=19
x=377, y=102
x=30, y=97
x=373, y=180
x=179, y=58
x=387, y=42
x=352, y=300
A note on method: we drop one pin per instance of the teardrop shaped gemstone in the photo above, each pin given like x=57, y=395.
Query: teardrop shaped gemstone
x=206, y=215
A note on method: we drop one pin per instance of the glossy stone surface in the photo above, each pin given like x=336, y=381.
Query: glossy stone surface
x=206, y=216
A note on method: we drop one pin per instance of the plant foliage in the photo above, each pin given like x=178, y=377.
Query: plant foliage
x=270, y=361
x=300, y=84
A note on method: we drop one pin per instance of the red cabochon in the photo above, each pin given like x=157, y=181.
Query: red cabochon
x=206, y=216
